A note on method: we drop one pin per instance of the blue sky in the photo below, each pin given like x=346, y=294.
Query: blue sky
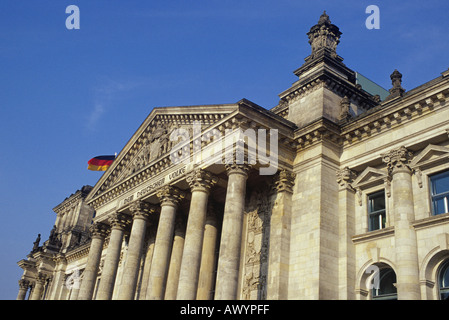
x=69, y=95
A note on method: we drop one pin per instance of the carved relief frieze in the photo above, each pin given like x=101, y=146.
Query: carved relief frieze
x=257, y=244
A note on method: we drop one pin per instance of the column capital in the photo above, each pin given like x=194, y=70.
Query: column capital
x=24, y=284
x=284, y=181
x=119, y=221
x=201, y=180
x=345, y=177
x=41, y=278
x=141, y=209
x=170, y=195
x=398, y=160
x=232, y=168
x=99, y=230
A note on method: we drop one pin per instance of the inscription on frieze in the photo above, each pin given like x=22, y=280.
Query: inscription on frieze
x=153, y=186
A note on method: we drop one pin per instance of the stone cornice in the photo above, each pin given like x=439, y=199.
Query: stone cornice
x=328, y=78
x=394, y=112
x=441, y=219
x=78, y=252
x=373, y=235
x=72, y=200
x=316, y=132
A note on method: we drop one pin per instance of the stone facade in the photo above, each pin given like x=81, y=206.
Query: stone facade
x=356, y=208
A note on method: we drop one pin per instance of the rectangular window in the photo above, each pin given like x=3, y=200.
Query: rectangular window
x=439, y=184
x=376, y=211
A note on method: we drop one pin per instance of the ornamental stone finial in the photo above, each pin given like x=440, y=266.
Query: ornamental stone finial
x=324, y=35
x=344, y=108
x=396, y=81
x=397, y=160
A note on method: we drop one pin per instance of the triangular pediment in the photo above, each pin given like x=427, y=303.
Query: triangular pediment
x=431, y=155
x=150, y=145
x=370, y=176
x=148, y=152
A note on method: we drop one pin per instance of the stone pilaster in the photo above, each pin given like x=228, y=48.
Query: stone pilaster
x=23, y=288
x=170, y=198
x=346, y=227
x=277, y=282
x=58, y=278
x=118, y=223
x=141, y=211
x=200, y=182
x=407, y=273
x=231, y=236
x=99, y=232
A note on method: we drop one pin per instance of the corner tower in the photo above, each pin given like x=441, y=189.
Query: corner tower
x=326, y=87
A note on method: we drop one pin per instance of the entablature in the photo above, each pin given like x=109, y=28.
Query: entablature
x=395, y=112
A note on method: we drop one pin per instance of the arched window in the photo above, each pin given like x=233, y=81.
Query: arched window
x=443, y=281
x=387, y=285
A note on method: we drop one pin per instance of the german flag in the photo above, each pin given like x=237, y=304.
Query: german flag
x=100, y=163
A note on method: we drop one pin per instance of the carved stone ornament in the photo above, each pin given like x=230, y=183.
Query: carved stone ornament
x=258, y=213
x=24, y=284
x=345, y=177
x=42, y=277
x=284, y=181
x=141, y=209
x=324, y=35
x=344, y=109
x=119, y=221
x=397, y=159
x=396, y=81
x=153, y=145
x=98, y=230
x=170, y=195
x=201, y=179
x=237, y=168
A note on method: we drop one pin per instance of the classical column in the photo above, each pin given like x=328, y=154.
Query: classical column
x=170, y=198
x=278, y=256
x=208, y=260
x=231, y=234
x=407, y=274
x=38, y=289
x=200, y=182
x=23, y=288
x=99, y=232
x=174, y=270
x=147, y=264
x=141, y=212
x=346, y=226
x=118, y=222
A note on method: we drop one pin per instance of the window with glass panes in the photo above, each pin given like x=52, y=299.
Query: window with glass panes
x=387, y=285
x=376, y=211
x=439, y=184
x=443, y=281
